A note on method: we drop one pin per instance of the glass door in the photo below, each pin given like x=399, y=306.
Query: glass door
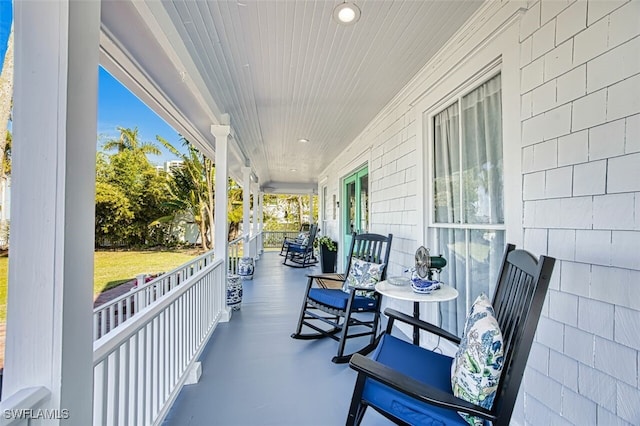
x=356, y=205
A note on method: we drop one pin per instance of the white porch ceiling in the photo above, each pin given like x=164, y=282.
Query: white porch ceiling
x=281, y=69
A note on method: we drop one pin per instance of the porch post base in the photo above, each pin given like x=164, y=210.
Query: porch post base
x=226, y=314
x=194, y=374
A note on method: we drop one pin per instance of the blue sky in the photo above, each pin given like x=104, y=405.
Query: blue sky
x=6, y=15
x=116, y=105
x=119, y=107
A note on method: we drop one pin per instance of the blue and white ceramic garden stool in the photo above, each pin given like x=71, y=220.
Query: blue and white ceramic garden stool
x=234, y=291
x=245, y=268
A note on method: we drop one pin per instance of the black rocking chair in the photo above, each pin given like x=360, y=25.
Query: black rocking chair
x=302, y=235
x=412, y=385
x=343, y=310
x=300, y=255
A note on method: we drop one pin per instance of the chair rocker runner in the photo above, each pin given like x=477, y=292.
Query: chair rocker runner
x=300, y=255
x=354, y=306
x=412, y=385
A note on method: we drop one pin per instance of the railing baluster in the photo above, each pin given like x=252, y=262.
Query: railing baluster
x=113, y=387
x=103, y=322
x=134, y=405
x=120, y=306
x=100, y=394
x=112, y=317
x=96, y=326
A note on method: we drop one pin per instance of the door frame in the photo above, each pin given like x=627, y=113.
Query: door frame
x=353, y=177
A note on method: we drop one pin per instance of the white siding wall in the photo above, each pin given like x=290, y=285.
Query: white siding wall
x=578, y=191
x=580, y=109
x=389, y=150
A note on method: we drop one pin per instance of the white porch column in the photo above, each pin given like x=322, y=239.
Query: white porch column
x=261, y=220
x=254, y=221
x=49, y=334
x=256, y=207
x=246, y=209
x=311, y=208
x=221, y=133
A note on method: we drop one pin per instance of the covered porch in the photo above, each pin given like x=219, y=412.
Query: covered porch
x=254, y=373
x=370, y=116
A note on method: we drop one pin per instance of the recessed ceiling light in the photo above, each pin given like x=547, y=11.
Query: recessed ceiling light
x=346, y=13
x=293, y=170
x=303, y=140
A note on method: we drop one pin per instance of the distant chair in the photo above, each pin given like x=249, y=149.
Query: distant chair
x=352, y=307
x=412, y=385
x=300, y=238
x=300, y=255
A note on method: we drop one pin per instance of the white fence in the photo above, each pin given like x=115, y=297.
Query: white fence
x=114, y=313
x=274, y=239
x=140, y=366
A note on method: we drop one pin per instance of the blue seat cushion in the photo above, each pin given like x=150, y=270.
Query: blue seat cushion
x=298, y=248
x=338, y=299
x=421, y=364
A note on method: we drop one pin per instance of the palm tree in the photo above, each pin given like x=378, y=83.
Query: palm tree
x=128, y=141
x=192, y=189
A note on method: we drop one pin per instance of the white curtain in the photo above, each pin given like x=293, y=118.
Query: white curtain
x=446, y=183
x=482, y=154
x=468, y=190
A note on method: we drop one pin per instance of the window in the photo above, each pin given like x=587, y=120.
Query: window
x=467, y=217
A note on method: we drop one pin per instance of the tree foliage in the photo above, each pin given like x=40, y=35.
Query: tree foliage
x=191, y=191
x=113, y=212
x=287, y=212
x=129, y=141
x=130, y=195
x=138, y=205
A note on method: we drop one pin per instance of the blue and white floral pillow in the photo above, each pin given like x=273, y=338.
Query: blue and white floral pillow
x=363, y=274
x=476, y=368
x=302, y=238
x=480, y=305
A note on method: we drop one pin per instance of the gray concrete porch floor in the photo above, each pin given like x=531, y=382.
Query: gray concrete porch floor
x=254, y=373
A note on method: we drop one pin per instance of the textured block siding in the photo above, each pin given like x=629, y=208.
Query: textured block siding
x=389, y=147
x=580, y=139
x=580, y=110
x=392, y=177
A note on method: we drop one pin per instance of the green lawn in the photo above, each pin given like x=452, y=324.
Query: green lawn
x=114, y=267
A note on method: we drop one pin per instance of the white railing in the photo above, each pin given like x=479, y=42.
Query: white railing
x=114, y=313
x=274, y=239
x=236, y=251
x=140, y=366
x=20, y=407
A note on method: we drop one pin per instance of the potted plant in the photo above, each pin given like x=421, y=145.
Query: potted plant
x=328, y=253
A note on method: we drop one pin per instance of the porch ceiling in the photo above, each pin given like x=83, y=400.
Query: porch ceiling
x=282, y=71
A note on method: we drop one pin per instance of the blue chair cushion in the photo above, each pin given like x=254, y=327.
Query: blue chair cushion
x=338, y=299
x=298, y=248
x=423, y=365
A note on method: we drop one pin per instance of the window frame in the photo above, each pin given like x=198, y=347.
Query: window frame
x=432, y=227
x=455, y=71
x=428, y=139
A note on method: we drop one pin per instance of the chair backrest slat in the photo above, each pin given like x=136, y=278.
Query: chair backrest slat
x=374, y=248
x=517, y=302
